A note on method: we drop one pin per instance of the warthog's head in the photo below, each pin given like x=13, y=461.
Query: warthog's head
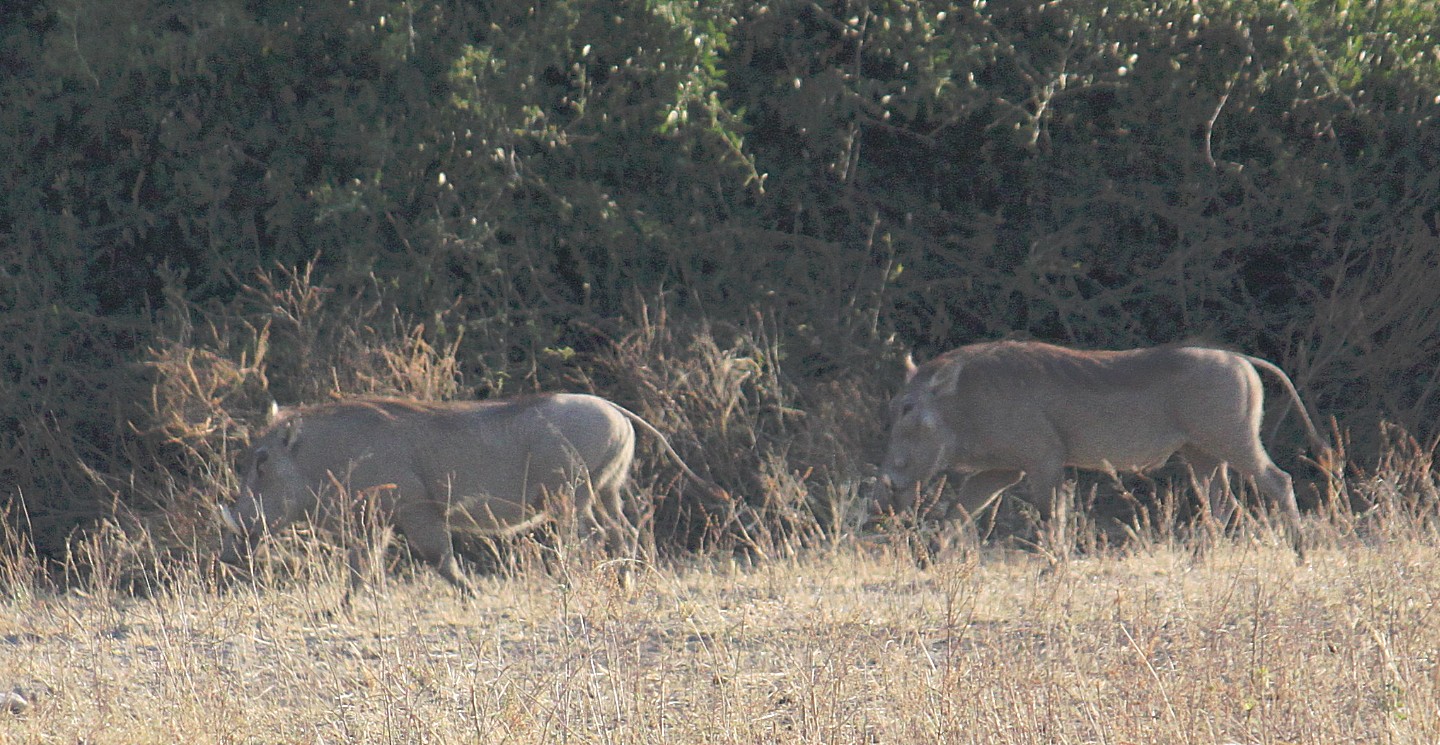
x=920, y=442
x=273, y=492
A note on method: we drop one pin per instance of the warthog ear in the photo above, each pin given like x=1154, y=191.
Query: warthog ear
x=947, y=379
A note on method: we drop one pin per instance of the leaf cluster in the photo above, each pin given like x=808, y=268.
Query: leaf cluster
x=210, y=204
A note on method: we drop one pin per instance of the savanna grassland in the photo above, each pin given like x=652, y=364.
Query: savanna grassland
x=846, y=643
x=736, y=218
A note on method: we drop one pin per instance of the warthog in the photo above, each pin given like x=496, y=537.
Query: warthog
x=430, y=469
x=1002, y=411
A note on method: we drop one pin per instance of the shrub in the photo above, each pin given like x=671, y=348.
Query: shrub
x=211, y=205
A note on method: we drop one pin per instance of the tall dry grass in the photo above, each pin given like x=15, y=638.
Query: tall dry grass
x=775, y=616
x=842, y=642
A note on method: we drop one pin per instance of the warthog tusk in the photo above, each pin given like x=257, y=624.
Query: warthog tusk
x=228, y=518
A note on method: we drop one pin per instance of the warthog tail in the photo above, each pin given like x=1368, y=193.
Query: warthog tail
x=665, y=444
x=1324, y=454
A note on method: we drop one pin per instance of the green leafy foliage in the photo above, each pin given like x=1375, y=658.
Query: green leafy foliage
x=209, y=204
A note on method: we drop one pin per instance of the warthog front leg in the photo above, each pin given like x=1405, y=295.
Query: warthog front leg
x=1047, y=482
x=428, y=534
x=365, y=557
x=980, y=491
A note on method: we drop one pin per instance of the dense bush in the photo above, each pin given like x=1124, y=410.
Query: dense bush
x=732, y=216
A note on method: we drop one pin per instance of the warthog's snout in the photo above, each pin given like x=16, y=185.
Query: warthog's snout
x=889, y=494
x=878, y=496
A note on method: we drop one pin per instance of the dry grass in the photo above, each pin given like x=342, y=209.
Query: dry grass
x=830, y=635
x=848, y=644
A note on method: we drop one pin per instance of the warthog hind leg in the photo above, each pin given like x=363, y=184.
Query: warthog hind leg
x=1277, y=485
x=1272, y=482
x=604, y=515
